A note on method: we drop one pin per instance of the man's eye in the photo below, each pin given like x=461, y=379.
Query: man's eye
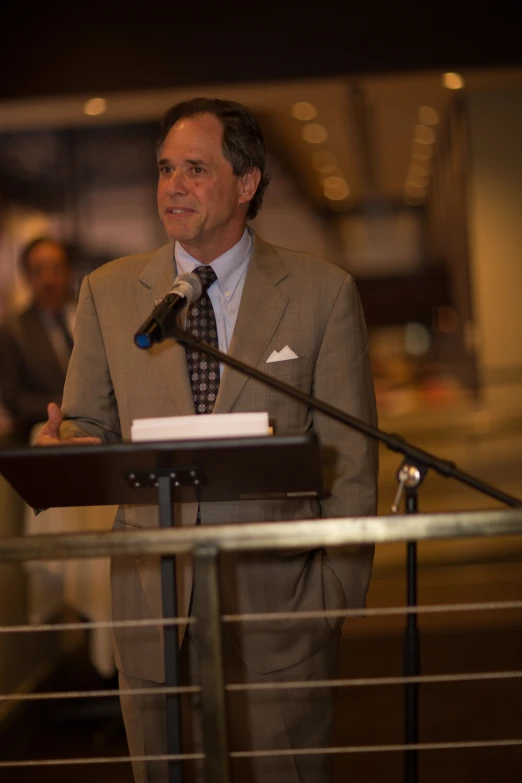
x=197, y=169
x=165, y=170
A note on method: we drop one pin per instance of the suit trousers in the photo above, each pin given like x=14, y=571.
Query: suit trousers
x=276, y=719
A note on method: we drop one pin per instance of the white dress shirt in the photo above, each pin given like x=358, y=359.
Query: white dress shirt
x=225, y=292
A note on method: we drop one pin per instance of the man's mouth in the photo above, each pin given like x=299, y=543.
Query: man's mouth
x=178, y=210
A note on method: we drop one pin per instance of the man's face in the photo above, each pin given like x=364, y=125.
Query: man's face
x=49, y=275
x=201, y=202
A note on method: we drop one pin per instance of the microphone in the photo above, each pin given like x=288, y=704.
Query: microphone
x=187, y=288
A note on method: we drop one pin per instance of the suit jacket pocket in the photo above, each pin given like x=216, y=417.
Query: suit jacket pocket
x=286, y=369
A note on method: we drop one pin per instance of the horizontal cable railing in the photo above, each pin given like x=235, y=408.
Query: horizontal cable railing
x=255, y=537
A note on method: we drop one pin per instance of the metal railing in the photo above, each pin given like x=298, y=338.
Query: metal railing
x=205, y=544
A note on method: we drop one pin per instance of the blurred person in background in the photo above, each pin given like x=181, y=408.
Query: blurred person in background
x=36, y=344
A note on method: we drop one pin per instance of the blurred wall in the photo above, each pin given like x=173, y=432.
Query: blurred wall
x=495, y=130
x=288, y=219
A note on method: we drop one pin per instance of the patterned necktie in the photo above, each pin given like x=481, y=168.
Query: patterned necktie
x=201, y=322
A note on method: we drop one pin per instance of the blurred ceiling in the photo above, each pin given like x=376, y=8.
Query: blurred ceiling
x=361, y=129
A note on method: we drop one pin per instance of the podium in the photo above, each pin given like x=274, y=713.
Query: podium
x=253, y=468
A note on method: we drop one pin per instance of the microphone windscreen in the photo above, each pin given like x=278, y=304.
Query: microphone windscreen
x=189, y=286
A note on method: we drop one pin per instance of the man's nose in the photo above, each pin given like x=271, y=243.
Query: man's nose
x=176, y=183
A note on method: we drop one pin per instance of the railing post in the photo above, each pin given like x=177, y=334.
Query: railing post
x=208, y=629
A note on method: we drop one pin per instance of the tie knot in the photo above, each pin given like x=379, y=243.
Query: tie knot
x=206, y=274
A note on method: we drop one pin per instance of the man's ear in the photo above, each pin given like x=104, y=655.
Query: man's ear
x=249, y=183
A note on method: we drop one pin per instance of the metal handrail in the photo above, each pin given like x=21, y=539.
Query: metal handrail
x=303, y=534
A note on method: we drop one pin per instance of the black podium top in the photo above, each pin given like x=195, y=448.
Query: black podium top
x=206, y=470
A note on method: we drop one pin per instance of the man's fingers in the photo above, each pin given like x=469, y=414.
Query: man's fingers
x=50, y=433
x=46, y=440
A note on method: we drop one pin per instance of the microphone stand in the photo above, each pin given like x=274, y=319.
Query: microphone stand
x=410, y=475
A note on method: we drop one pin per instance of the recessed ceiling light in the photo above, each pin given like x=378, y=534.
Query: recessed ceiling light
x=336, y=188
x=304, y=111
x=95, y=106
x=452, y=81
x=314, y=133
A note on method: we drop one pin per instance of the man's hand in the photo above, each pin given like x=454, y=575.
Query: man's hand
x=50, y=434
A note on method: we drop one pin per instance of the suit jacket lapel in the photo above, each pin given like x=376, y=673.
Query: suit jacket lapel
x=262, y=306
x=154, y=282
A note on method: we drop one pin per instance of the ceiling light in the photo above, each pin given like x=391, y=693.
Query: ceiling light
x=428, y=116
x=304, y=111
x=336, y=188
x=95, y=106
x=314, y=133
x=453, y=81
x=424, y=134
x=334, y=182
x=324, y=162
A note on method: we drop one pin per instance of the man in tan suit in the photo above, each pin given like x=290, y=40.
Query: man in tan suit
x=265, y=298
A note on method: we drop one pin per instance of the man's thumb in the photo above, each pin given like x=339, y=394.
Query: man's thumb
x=55, y=419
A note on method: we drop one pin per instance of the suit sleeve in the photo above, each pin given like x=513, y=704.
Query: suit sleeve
x=89, y=404
x=343, y=378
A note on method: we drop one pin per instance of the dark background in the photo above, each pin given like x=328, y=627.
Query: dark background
x=60, y=48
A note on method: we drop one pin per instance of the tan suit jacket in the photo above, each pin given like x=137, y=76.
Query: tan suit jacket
x=288, y=299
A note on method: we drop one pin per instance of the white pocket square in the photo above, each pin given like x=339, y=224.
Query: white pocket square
x=282, y=356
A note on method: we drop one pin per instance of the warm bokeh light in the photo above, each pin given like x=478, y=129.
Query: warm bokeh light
x=424, y=134
x=95, y=106
x=452, y=81
x=314, y=133
x=428, y=115
x=324, y=162
x=304, y=111
x=336, y=188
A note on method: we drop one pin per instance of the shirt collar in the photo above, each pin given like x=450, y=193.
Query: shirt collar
x=229, y=267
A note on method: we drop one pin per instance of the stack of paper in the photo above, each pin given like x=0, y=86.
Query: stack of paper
x=218, y=425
